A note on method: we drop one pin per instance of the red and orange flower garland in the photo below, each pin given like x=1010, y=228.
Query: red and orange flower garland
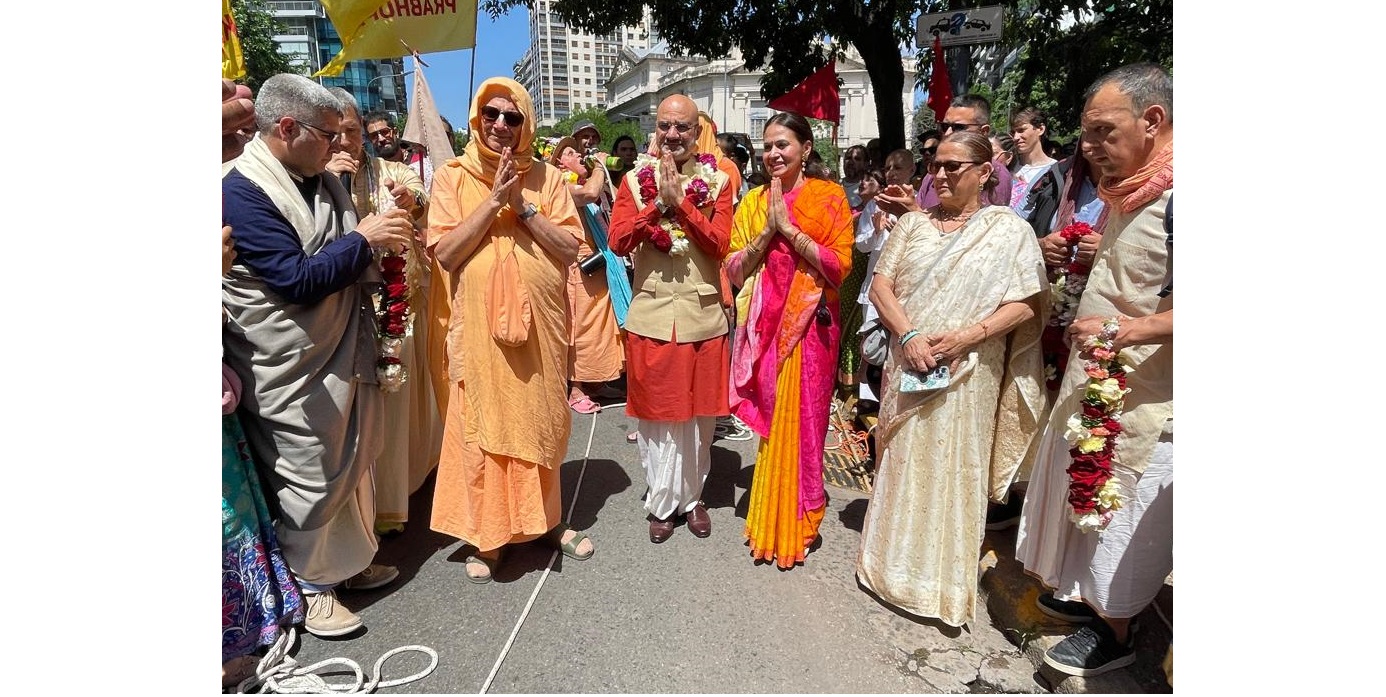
x=1093, y=493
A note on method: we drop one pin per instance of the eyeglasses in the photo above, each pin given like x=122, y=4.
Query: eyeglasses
x=950, y=167
x=513, y=119
x=379, y=133
x=945, y=127
x=663, y=126
x=329, y=135
x=929, y=151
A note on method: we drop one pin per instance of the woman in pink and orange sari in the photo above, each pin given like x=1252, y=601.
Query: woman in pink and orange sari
x=791, y=246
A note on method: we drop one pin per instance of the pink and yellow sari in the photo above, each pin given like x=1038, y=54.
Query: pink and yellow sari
x=783, y=362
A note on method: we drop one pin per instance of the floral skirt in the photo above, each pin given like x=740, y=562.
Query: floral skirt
x=258, y=595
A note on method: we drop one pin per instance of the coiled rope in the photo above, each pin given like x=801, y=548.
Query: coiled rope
x=279, y=673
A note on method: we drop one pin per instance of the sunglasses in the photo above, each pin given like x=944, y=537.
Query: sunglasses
x=380, y=133
x=946, y=127
x=329, y=135
x=513, y=119
x=949, y=167
x=929, y=151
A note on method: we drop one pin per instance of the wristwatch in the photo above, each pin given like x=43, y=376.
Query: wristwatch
x=663, y=207
x=530, y=211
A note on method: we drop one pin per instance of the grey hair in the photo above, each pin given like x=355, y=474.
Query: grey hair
x=345, y=99
x=292, y=95
x=1146, y=84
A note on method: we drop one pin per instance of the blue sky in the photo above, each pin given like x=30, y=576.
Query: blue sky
x=498, y=45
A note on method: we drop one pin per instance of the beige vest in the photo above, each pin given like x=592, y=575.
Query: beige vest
x=676, y=295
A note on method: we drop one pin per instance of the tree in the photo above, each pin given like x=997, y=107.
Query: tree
x=610, y=130
x=796, y=37
x=256, y=28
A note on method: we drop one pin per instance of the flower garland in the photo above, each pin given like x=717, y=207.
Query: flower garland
x=700, y=189
x=1065, y=291
x=1093, y=493
x=392, y=316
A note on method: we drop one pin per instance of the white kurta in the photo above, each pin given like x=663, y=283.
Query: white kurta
x=1118, y=570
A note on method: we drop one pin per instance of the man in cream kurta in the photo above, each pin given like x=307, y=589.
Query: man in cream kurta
x=1104, y=578
x=678, y=357
x=300, y=334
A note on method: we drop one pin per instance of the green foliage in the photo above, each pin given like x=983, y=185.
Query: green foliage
x=823, y=144
x=609, y=129
x=256, y=28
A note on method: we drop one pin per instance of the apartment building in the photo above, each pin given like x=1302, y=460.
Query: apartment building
x=311, y=41
x=566, y=70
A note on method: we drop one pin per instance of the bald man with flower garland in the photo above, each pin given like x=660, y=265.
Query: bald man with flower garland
x=673, y=216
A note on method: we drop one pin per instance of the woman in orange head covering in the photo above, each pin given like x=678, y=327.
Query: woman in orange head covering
x=707, y=142
x=504, y=228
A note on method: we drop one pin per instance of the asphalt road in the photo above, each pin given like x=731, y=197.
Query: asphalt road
x=687, y=616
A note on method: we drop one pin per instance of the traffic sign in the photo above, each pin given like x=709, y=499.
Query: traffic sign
x=977, y=25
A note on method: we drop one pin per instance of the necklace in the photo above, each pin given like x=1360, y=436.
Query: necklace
x=939, y=217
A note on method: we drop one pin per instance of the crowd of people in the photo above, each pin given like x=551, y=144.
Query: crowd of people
x=1005, y=314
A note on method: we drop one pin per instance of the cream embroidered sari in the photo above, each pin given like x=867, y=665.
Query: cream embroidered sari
x=944, y=453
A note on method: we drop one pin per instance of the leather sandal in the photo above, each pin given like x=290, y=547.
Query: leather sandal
x=490, y=565
x=555, y=537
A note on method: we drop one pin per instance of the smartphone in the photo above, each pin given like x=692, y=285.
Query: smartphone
x=936, y=379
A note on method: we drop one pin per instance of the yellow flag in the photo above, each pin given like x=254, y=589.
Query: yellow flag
x=232, y=62
x=382, y=29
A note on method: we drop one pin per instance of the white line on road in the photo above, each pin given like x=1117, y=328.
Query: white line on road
x=592, y=430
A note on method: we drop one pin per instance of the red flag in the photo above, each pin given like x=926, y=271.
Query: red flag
x=815, y=97
x=940, y=89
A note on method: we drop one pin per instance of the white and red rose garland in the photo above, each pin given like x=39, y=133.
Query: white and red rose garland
x=1065, y=291
x=1093, y=493
x=392, y=316
x=700, y=189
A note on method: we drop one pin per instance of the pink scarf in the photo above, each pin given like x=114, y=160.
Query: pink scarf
x=1146, y=185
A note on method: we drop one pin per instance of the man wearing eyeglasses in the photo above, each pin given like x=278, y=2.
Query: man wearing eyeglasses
x=673, y=218
x=970, y=112
x=381, y=135
x=299, y=336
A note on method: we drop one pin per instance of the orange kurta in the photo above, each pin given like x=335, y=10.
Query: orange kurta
x=508, y=420
x=596, y=354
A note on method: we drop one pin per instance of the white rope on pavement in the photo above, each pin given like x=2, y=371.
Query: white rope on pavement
x=279, y=673
x=505, y=650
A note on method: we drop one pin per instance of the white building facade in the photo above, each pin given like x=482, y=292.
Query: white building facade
x=730, y=94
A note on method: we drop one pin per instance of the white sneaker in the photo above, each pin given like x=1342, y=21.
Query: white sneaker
x=327, y=617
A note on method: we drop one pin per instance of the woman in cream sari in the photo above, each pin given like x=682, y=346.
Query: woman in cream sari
x=958, y=285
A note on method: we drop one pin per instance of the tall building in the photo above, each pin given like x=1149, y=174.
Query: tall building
x=566, y=70
x=311, y=41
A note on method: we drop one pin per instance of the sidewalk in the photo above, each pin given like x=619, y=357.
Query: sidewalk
x=693, y=615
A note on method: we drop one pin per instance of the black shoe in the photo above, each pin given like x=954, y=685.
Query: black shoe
x=1066, y=610
x=1092, y=650
x=1005, y=515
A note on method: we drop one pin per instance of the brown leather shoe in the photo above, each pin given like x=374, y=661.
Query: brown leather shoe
x=660, y=530
x=699, y=523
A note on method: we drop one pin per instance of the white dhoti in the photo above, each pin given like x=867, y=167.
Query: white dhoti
x=1119, y=570
x=677, y=456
